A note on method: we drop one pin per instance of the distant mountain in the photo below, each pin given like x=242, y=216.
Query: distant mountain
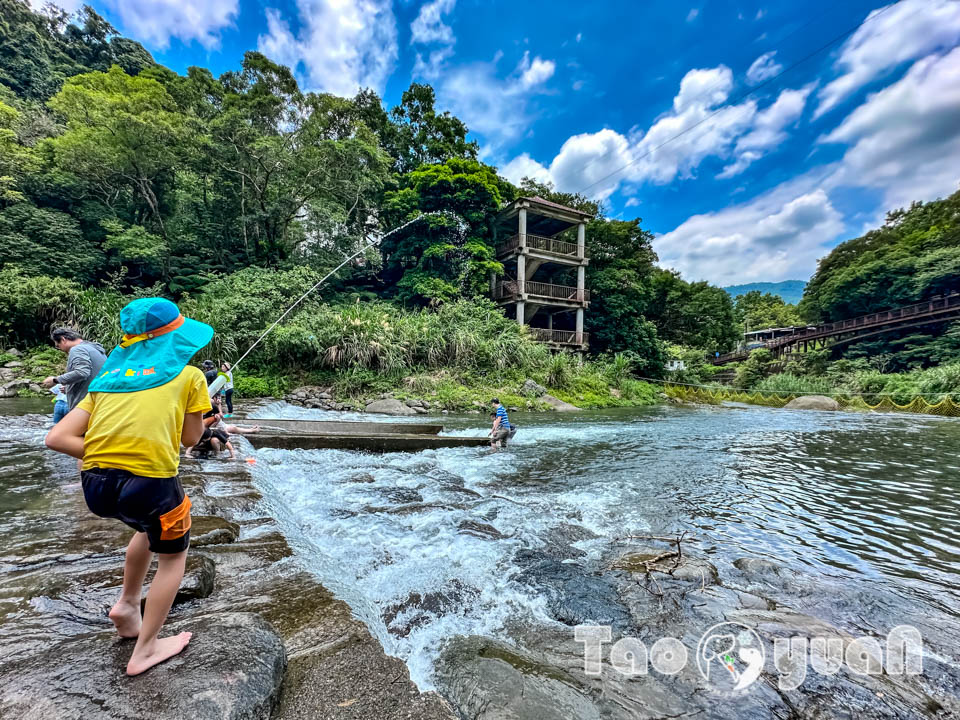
x=790, y=290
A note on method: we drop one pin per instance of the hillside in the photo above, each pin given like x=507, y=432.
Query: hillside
x=790, y=290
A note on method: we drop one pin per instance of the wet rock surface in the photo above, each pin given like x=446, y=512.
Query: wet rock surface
x=84, y=677
x=249, y=604
x=212, y=530
x=389, y=406
x=542, y=676
x=812, y=402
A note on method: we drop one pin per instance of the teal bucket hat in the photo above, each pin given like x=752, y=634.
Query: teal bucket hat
x=158, y=343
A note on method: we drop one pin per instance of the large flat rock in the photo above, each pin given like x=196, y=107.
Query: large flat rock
x=232, y=670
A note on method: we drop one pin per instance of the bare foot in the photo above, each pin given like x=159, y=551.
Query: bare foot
x=159, y=650
x=126, y=618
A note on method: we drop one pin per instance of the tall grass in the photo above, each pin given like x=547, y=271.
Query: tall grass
x=789, y=384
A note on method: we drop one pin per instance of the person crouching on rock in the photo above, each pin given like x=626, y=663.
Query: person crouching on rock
x=145, y=401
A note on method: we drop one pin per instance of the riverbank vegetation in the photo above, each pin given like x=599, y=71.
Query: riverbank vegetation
x=231, y=195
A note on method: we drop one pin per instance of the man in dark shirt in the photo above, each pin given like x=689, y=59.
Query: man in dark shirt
x=209, y=371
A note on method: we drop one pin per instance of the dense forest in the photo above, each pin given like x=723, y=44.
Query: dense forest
x=231, y=195
x=120, y=176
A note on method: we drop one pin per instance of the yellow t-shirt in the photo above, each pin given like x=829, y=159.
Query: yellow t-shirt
x=140, y=431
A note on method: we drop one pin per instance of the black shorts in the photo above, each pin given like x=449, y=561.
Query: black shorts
x=155, y=506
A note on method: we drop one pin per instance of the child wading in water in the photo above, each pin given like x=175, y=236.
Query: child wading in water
x=144, y=402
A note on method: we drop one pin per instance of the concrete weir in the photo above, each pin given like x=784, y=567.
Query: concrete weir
x=387, y=442
x=366, y=436
x=341, y=428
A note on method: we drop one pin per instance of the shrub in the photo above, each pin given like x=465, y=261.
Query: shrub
x=619, y=369
x=254, y=386
x=560, y=370
x=790, y=384
x=753, y=369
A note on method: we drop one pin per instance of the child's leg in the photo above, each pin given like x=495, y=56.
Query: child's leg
x=126, y=613
x=150, y=649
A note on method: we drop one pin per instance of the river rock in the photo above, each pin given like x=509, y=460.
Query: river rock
x=13, y=364
x=197, y=578
x=14, y=352
x=413, y=402
x=212, y=530
x=488, y=680
x=10, y=389
x=575, y=596
x=558, y=404
x=479, y=530
x=813, y=402
x=532, y=389
x=389, y=406
x=231, y=670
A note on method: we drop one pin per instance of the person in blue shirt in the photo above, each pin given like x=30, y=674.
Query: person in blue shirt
x=500, y=431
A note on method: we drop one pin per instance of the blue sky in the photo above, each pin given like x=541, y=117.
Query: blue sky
x=593, y=96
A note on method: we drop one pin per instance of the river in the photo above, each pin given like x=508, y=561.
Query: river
x=428, y=546
x=861, y=511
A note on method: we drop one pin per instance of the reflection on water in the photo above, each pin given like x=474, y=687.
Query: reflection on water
x=427, y=546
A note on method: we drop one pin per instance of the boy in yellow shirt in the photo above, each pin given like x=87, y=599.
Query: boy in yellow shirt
x=145, y=402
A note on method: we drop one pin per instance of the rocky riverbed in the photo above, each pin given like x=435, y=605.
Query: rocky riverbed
x=269, y=641
x=476, y=579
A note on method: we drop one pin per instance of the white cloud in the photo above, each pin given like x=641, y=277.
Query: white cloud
x=340, y=46
x=692, y=15
x=493, y=106
x=432, y=66
x=905, y=139
x=768, y=129
x=536, y=71
x=888, y=37
x=154, y=22
x=524, y=166
x=429, y=26
x=775, y=236
x=631, y=202
x=579, y=37
x=763, y=68
x=704, y=87
x=673, y=146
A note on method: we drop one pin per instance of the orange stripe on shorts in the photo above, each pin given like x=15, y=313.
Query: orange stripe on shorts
x=176, y=523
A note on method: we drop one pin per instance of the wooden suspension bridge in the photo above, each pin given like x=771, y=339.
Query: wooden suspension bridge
x=929, y=312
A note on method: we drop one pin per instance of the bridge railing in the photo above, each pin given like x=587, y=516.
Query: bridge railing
x=933, y=306
x=928, y=307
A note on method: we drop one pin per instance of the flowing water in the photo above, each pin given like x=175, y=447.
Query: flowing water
x=863, y=509
x=428, y=546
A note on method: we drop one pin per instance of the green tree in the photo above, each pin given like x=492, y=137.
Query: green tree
x=122, y=141
x=448, y=256
x=293, y=162
x=693, y=314
x=43, y=241
x=417, y=134
x=39, y=50
x=755, y=311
